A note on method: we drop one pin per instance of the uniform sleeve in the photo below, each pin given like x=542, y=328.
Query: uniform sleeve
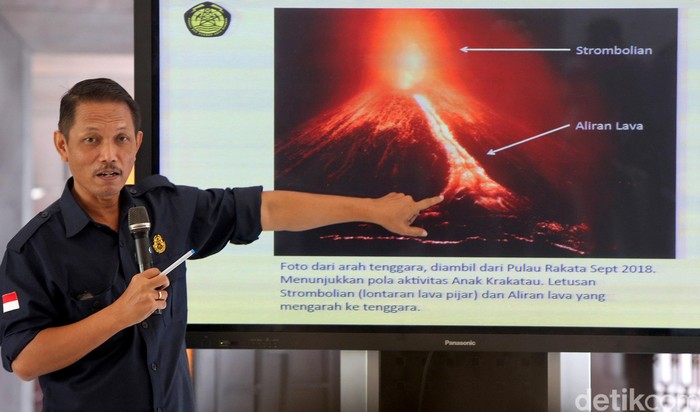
x=26, y=304
x=248, y=221
x=226, y=216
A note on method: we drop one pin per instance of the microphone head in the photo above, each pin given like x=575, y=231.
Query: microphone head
x=138, y=219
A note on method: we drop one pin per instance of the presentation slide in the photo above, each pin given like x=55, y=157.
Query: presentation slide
x=562, y=135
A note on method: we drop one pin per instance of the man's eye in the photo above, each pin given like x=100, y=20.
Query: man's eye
x=89, y=139
x=123, y=138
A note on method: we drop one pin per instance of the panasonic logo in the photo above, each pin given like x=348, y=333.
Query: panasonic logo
x=460, y=342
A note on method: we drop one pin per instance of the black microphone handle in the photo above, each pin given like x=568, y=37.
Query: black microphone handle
x=143, y=251
x=143, y=254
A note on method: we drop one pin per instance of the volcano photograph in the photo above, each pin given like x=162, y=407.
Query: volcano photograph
x=549, y=132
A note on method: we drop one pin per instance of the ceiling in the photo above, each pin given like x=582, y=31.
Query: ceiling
x=71, y=26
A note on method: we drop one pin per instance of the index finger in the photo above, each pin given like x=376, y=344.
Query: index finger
x=151, y=273
x=430, y=201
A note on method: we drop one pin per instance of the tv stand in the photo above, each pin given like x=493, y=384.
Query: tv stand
x=419, y=381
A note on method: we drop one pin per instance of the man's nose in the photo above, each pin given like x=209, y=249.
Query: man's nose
x=108, y=152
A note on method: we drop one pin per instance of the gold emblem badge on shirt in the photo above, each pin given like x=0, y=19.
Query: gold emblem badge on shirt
x=158, y=244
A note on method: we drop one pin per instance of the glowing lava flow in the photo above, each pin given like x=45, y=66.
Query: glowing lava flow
x=465, y=175
x=408, y=70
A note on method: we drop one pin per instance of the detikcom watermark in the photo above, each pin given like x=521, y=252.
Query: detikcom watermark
x=625, y=400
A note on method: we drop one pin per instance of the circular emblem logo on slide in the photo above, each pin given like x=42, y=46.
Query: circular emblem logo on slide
x=207, y=20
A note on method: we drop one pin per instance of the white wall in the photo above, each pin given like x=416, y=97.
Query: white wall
x=14, y=179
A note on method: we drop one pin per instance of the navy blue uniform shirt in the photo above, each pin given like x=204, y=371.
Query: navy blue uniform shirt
x=62, y=267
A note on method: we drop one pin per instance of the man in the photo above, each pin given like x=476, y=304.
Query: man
x=79, y=316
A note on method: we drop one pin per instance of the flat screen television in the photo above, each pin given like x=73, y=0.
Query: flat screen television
x=563, y=136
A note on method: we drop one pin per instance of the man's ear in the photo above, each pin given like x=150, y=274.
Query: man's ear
x=61, y=143
x=139, y=139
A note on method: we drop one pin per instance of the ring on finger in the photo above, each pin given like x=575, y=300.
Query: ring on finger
x=160, y=295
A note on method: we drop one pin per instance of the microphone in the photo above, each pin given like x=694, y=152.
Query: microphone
x=139, y=226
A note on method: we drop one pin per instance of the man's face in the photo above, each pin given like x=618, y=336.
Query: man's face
x=100, y=150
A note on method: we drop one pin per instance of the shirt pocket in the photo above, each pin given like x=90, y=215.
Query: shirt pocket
x=86, y=303
x=176, y=309
x=90, y=294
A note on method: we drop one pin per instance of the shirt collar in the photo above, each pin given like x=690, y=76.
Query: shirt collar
x=75, y=218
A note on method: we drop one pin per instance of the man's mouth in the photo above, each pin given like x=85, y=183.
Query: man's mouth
x=108, y=173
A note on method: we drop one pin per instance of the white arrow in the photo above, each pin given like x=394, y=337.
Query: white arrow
x=492, y=152
x=473, y=49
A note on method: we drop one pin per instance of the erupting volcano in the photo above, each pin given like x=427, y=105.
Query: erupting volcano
x=397, y=106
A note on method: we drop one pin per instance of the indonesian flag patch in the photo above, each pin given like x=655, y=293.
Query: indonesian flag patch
x=9, y=302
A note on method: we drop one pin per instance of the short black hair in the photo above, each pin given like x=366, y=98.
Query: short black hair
x=94, y=90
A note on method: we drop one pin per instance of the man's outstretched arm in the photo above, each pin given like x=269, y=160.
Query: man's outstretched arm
x=296, y=211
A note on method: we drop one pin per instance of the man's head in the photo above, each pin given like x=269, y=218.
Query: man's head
x=94, y=90
x=98, y=137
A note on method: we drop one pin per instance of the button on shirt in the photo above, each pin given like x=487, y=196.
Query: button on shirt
x=62, y=267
